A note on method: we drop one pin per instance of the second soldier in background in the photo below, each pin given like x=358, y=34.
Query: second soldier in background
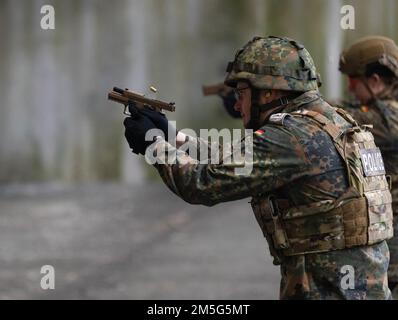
x=371, y=64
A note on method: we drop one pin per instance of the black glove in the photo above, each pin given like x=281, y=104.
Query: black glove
x=160, y=121
x=229, y=101
x=135, y=130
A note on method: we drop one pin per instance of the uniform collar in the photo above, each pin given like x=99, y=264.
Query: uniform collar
x=305, y=98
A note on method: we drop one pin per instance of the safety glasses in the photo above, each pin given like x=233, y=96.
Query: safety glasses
x=238, y=92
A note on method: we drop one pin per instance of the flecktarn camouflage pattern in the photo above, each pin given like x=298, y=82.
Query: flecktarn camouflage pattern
x=274, y=63
x=319, y=276
x=296, y=164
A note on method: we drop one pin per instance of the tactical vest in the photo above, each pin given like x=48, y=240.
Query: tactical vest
x=360, y=216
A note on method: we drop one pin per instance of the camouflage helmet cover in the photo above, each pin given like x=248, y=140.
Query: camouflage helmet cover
x=353, y=60
x=274, y=63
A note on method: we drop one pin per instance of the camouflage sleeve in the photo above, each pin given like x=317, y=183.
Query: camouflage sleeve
x=364, y=114
x=274, y=158
x=357, y=111
x=199, y=146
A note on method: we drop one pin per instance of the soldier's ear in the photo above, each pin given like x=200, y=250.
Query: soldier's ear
x=374, y=78
x=265, y=95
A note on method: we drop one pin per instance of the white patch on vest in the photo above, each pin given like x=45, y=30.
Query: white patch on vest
x=372, y=162
x=278, y=118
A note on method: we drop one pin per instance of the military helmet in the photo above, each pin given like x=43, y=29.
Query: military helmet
x=273, y=63
x=353, y=61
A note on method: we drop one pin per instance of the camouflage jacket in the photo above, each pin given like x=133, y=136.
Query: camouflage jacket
x=299, y=162
x=298, y=152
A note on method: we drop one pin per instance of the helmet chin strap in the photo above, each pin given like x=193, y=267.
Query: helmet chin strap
x=270, y=108
x=372, y=95
x=254, y=122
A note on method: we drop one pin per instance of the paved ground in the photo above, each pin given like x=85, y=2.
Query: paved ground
x=129, y=242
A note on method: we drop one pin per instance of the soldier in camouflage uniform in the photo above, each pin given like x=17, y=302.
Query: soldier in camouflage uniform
x=371, y=65
x=322, y=207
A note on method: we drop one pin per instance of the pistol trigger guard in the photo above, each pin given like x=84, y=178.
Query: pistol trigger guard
x=125, y=111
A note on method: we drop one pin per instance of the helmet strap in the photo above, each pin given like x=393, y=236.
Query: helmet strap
x=365, y=83
x=255, y=112
x=270, y=108
x=390, y=92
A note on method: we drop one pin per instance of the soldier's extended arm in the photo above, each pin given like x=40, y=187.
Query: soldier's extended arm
x=277, y=159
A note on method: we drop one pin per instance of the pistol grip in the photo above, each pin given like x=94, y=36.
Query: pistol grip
x=132, y=110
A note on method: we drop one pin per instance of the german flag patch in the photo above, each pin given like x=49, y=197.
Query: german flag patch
x=364, y=108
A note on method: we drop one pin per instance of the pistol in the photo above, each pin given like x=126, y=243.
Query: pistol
x=127, y=97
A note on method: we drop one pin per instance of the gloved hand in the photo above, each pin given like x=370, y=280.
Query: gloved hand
x=160, y=121
x=135, y=130
x=229, y=100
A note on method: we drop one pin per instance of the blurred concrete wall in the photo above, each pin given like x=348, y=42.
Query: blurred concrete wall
x=56, y=123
